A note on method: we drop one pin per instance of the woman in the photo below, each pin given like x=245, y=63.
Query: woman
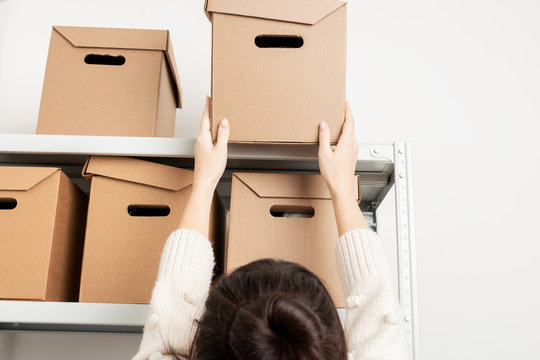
x=272, y=309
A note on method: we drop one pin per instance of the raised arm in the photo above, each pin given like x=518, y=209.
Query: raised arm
x=210, y=162
x=337, y=168
x=187, y=259
x=373, y=325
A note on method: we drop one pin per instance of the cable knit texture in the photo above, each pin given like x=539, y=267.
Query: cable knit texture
x=184, y=276
x=373, y=322
x=373, y=326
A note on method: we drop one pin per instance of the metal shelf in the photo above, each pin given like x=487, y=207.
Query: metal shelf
x=63, y=316
x=69, y=152
x=383, y=168
x=73, y=149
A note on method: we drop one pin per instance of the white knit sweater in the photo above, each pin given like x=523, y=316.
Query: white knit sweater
x=373, y=326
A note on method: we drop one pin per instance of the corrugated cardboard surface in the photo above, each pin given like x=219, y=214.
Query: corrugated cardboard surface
x=138, y=171
x=254, y=233
x=122, y=252
x=278, y=94
x=67, y=250
x=299, y=11
x=41, y=238
x=166, y=109
x=125, y=100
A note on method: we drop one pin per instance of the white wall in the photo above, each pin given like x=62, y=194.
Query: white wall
x=459, y=79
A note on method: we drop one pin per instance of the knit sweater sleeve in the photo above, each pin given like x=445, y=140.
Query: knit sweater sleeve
x=374, y=327
x=178, y=298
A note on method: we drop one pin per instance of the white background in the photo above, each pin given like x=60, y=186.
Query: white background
x=458, y=79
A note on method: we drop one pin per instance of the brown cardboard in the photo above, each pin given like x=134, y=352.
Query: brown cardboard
x=137, y=98
x=278, y=95
x=254, y=233
x=41, y=238
x=122, y=252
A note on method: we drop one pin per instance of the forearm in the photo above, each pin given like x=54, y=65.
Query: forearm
x=347, y=213
x=196, y=214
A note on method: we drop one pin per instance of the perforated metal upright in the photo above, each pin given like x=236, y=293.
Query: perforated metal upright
x=402, y=183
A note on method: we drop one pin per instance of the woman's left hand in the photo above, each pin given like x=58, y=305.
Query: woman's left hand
x=210, y=159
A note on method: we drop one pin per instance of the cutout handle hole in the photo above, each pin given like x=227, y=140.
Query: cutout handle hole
x=8, y=203
x=292, y=211
x=279, y=41
x=96, y=59
x=148, y=210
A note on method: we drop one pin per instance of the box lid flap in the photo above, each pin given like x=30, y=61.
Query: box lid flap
x=296, y=186
x=298, y=11
x=138, y=171
x=130, y=39
x=23, y=178
x=171, y=60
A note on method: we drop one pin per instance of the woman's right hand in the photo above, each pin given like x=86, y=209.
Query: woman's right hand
x=210, y=159
x=338, y=165
x=210, y=162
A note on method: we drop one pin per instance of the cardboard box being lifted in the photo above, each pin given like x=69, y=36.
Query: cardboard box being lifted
x=278, y=68
x=42, y=216
x=288, y=217
x=134, y=206
x=118, y=82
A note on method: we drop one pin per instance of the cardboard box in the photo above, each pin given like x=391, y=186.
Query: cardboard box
x=134, y=206
x=120, y=82
x=284, y=216
x=278, y=68
x=42, y=216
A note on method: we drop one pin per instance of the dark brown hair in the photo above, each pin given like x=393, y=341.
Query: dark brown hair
x=269, y=310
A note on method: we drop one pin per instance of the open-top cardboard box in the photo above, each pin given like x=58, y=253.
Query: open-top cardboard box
x=278, y=68
x=134, y=206
x=285, y=216
x=118, y=82
x=42, y=216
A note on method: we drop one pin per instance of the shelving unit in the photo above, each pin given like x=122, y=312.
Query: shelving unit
x=382, y=168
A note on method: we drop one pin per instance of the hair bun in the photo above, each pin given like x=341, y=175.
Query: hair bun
x=276, y=326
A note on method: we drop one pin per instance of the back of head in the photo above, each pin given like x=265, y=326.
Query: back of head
x=269, y=310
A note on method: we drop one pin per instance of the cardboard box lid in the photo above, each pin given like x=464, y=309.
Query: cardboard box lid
x=298, y=11
x=295, y=186
x=130, y=39
x=23, y=178
x=138, y=171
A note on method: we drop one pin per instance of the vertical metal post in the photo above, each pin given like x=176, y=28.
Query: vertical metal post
x=406, y=244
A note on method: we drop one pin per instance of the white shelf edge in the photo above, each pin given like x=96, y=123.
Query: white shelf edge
x=88, y=317
x=71, y=315
x=161, y=147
